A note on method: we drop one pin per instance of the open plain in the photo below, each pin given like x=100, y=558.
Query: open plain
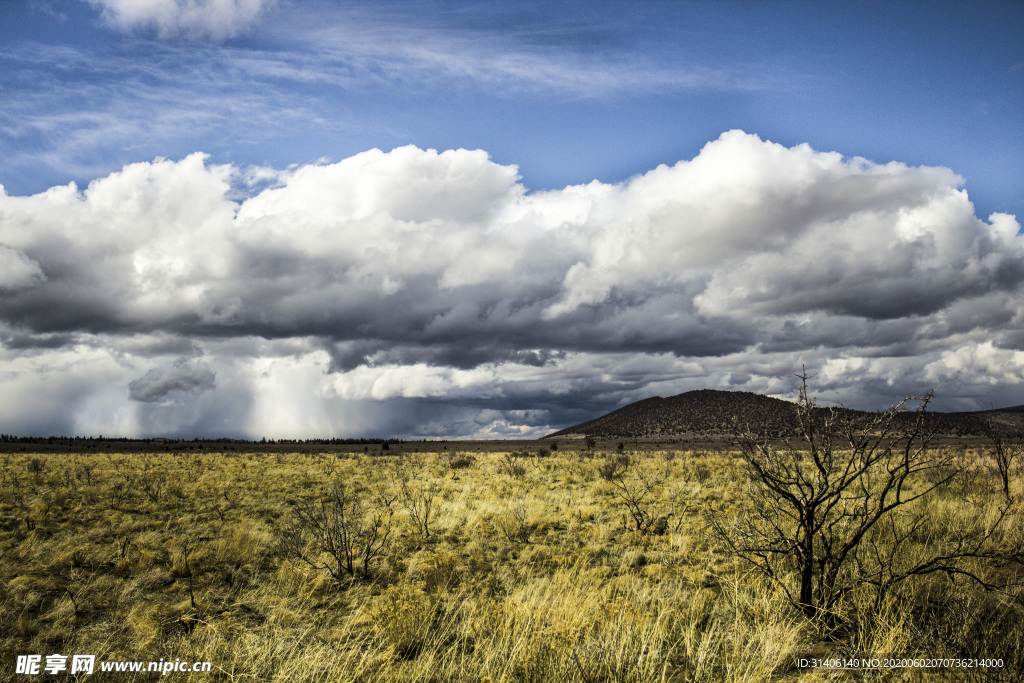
x=545, y=561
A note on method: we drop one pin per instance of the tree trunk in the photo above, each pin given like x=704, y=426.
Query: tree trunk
x=807, y=573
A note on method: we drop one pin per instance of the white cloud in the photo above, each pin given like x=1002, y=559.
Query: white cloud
x=412, y=55
x=410, y=381
x=982, y=363
x=217, y=19
x=434, y=281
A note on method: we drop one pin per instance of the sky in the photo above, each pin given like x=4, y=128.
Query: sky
x=283, y=219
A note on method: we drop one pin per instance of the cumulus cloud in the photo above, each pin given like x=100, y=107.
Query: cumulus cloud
x=433, y=285
x=982, y=363
x=217, y=19
x=17, y=271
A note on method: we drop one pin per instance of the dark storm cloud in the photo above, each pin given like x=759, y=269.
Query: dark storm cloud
x=18, y=341
x=435, y=279
x=186, y=374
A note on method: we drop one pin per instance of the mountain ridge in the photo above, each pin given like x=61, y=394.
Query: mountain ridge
x=709, y=413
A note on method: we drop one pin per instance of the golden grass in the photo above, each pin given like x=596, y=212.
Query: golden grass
x=531, y=577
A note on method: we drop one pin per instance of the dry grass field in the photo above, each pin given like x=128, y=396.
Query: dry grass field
x=501, y=566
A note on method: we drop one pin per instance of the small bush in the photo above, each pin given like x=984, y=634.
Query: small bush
x=511, y=465
x=613, y=467
x=402, y=617
x=459, y=461
x=439, y=571
x=513, y=526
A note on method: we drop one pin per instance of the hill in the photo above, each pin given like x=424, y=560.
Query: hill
x=709, y=413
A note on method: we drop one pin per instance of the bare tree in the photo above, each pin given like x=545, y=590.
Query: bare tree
x=1008, y=456
x=419, y=500
x=513, y=524
x=511, y=466
x=639, y=495
x=836, y=505
x=339, y=532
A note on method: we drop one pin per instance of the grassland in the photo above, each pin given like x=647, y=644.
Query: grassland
x=488, y=566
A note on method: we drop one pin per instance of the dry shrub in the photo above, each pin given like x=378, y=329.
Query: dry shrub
x=459, y=461
x=513, y=524
x=403, y=617
x=439, y=571
x=613, y=467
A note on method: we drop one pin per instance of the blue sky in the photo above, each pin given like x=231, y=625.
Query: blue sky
x=282, y=99
x=568, y=91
